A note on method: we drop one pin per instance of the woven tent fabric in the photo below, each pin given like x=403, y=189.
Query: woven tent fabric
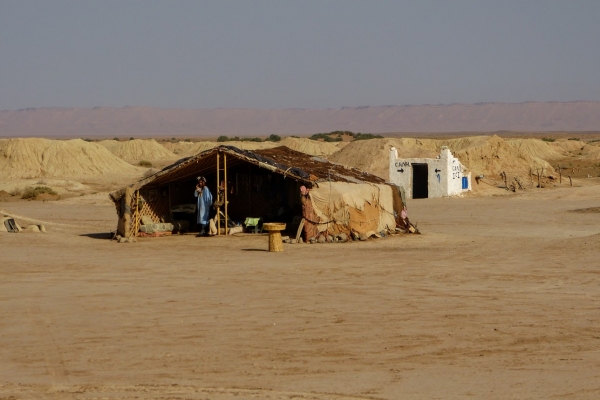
x=345, y=207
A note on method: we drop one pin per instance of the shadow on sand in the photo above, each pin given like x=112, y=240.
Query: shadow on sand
x=99, y=235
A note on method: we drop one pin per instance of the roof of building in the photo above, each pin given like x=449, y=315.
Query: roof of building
x=281, y=160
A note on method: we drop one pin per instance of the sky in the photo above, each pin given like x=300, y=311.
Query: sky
x=296, y=54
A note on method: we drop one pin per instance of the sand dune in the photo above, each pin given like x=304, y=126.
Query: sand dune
x=480, y=154
x=304, y=145
x=488, y=155
x=32, y=158
x=137, y=150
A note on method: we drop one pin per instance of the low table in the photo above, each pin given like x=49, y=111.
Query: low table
x=274, y=229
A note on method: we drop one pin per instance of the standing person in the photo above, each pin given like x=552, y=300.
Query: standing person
x=205, y=201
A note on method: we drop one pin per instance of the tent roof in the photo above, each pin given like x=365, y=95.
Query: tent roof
x=281, y=160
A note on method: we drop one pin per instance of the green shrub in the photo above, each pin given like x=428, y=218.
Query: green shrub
x=366, y=136
x=222, y=139
x=335, y=136
x=252, y=139
x=33, y=192
x=547, y=139
x=573, y=138
x=273, y=138
x=145, y=164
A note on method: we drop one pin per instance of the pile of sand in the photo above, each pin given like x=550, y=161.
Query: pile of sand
x=488, y=155
x=540, y=149
x=137, y=150
x=373, y=155
x=35, y=158
x=187, y=149
x=495, y=155
x=309, y=146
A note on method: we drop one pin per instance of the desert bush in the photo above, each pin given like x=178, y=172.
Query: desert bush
x=145, y=164
x=547, y=139
x=16, y=192
x=273, y=138
x=334, y=136
x=573, y=138
x=367, y=136
x=33, y=192
x=222, y=139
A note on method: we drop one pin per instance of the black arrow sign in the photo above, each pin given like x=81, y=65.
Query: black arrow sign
x=437, y=170
x=401, y=170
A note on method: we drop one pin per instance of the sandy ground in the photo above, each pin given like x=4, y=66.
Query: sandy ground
x=499, y=298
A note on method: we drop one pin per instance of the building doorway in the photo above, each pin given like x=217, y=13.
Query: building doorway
x=420, y=182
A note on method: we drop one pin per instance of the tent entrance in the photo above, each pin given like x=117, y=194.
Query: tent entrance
x=420, y=181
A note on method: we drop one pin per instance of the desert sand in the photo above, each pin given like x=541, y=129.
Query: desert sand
x=497, y=298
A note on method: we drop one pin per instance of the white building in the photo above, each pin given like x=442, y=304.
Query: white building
x=424, y=178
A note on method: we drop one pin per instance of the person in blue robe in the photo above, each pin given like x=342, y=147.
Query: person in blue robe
x=204, y=203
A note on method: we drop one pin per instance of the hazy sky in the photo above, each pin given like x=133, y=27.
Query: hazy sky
x=296, y=54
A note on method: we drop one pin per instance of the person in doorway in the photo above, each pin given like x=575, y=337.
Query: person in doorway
x=204, y=203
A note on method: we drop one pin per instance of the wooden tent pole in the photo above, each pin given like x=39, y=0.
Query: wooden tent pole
x=217, y=193
x=225, y=195
x=137, y=212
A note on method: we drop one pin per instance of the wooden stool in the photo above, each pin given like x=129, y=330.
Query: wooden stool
x=274, y=229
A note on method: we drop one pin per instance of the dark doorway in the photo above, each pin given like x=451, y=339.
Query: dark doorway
x=420, y=181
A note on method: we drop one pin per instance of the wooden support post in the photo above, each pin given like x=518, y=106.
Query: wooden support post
x=136, y=214
x=570, y=181
x=559, y=174
x=217, y=196
x=531, y=176
x=504, y=177
x=225, y=194
x=538, y=174
x=300, y=227
x=127, y=212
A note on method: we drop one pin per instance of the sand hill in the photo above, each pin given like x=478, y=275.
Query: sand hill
x=137, y=150
x=312, y=147
x=481, y=154
x=308, y=146
x=187, y=149
x=146, y=121
x=33, y=158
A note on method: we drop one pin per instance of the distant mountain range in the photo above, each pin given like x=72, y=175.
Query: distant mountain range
x=107, y=122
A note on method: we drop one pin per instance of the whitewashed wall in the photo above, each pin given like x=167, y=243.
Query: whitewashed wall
x=445, y=173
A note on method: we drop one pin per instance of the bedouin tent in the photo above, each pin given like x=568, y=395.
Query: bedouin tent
x=265, y=184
